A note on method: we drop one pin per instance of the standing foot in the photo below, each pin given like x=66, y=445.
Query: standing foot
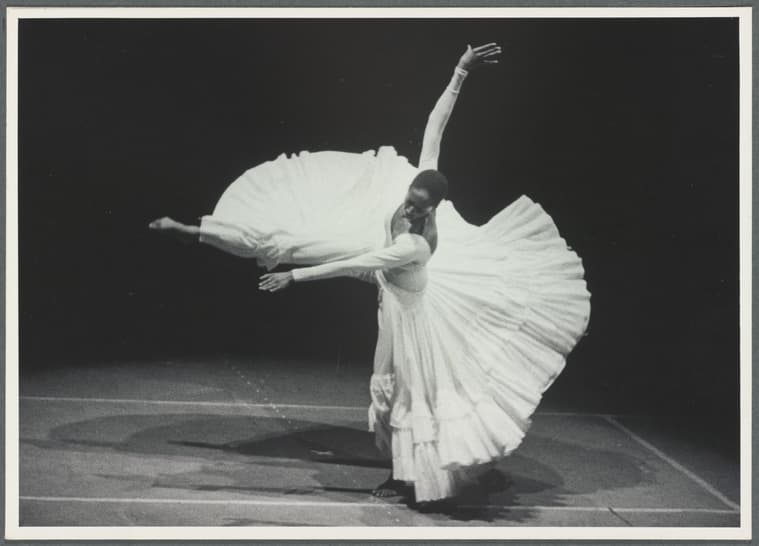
x=182, y=232
x=391, y=488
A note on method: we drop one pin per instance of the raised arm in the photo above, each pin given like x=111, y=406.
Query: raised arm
x=438, y=118
x=407, y=248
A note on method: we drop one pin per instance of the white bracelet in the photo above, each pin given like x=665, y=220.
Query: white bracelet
x=460, y=71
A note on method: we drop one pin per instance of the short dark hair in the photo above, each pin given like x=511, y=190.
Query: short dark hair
x=434, y=182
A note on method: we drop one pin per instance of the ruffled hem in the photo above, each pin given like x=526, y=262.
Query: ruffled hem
x=420, y=465
x=440, y=455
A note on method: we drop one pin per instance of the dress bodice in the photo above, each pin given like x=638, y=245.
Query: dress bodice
x=411, y=276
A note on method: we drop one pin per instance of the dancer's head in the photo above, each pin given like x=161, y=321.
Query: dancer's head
x=426, y=191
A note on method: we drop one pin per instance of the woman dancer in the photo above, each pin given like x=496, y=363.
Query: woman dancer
x=474, y=322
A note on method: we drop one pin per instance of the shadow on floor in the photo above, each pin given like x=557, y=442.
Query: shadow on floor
x=340, y=458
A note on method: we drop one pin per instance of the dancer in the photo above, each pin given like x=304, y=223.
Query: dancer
x=474, y=322
x=319, y=207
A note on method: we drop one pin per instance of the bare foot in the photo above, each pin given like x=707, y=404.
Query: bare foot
x=184, y=233
x=390, y=488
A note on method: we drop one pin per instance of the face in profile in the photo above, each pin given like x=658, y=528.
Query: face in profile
x=417, y=204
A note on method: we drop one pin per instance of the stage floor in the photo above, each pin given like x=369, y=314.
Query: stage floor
x=230, y=442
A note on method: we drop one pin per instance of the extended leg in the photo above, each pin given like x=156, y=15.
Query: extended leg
x=183, y=232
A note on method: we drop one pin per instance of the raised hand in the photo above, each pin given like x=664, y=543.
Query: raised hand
x=477, y=56
x=274, y=282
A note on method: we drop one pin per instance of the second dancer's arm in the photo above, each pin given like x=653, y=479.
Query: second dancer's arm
x=407, y=248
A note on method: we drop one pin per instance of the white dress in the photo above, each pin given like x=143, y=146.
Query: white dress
x=469, y=337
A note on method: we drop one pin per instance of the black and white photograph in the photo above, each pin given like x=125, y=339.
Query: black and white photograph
x=377, y=273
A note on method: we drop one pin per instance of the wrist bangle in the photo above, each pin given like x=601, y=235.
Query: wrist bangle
x=460, y=71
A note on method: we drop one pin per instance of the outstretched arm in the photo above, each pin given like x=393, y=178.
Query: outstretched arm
x=406, y=249
x=438, y=118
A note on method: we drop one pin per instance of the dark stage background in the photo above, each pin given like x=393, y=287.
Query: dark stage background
x=626, y=131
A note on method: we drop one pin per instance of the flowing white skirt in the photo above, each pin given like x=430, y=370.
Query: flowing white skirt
x=309, y=208
x=472, y=353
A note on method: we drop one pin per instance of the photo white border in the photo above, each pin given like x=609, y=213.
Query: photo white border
x=16, y=532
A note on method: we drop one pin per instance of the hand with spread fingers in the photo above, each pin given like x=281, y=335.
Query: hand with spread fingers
x=274, y=282
x=477, y=56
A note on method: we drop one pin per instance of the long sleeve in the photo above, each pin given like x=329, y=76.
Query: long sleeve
x=438, y=119
x=406, y=249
